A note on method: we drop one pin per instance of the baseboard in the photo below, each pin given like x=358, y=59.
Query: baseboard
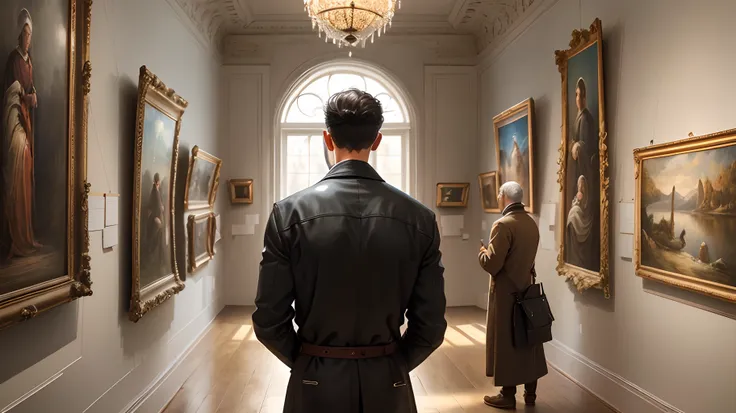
x=144, y=398
x=618, y=393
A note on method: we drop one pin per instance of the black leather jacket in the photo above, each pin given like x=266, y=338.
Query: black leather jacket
x=354, y=254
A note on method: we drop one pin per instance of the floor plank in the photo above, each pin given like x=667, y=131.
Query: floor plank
x=229, y=371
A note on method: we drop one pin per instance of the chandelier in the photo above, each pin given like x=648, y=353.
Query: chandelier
x=351, y=23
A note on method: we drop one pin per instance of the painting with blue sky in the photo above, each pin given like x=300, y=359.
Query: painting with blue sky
x=513, y=146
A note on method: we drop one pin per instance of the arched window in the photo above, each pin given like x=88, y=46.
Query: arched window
x=303, y=161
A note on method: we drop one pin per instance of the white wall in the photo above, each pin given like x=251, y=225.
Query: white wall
x=259, y=71
x=669, y=71
x=87, y=356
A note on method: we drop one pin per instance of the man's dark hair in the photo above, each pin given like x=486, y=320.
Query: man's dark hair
x=353, y=118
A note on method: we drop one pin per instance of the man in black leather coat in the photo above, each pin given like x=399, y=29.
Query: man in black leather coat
x=355, y=255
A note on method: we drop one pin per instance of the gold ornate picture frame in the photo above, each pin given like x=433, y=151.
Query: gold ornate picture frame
x=685, y=214
x=452, y=195
x=241, y=191
x=200, y=240
x=51, y=266
x=158, y=123
x=513, y=130
x=583, y=173
x=488, y=185
x=203, y=179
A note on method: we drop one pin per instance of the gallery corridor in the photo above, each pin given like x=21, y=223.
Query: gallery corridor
x=231, y=372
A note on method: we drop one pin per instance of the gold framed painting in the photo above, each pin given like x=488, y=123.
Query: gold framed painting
x=241, y=191
x=203, y=179
x=685, y=214
x=488, y=183
x=514, y=134
x=200, y=240
x=158, y=122
x=583, y=172
x=452, y=195
x=44, y=242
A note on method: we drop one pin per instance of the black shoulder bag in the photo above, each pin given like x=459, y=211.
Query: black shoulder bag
x=532, y=316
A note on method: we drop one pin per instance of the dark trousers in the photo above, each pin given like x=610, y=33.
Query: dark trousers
x=510, y=391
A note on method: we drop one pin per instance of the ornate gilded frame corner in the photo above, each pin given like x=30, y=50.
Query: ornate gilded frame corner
x=234, y=184
x=153, y=91
x=462, y=204
x=200, y=155
x=584, y=279
x=505, y=117
x=481, y=177
x=27, y=303
x=196, y=262
x=691, y=144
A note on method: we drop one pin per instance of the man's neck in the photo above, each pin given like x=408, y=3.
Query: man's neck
x=342, y=155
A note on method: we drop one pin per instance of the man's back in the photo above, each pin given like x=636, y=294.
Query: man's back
x=354, y=253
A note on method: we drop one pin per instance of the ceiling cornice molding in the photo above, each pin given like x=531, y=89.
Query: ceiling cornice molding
x=492, y=20
x=279, y=25
x=492, y=51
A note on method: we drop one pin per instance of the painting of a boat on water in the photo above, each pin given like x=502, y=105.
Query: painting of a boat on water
x=687, y=215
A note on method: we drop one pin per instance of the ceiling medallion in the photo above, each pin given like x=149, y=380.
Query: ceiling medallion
x=349, y=23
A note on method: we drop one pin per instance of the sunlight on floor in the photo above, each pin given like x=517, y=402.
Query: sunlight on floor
x=242, y=332
x=456, y=338
x=474, y=332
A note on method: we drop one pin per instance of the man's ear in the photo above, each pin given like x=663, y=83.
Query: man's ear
x=328, y=141
x=377, y=142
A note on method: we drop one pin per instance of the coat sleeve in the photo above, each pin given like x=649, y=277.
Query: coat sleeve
x=493, y=259
x=426, y=311
x=272, y=320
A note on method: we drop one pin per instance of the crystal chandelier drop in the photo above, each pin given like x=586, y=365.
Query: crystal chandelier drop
x=350, y=23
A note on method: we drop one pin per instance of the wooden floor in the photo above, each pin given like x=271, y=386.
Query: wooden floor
x=231, y=372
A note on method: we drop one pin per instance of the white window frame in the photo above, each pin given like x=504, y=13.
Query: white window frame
x=407, y=129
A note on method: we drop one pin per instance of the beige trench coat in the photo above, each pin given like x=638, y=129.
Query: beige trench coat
x=509, y=259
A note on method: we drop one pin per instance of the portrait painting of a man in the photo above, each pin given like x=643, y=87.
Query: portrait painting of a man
x=33, y=146
x=582, y=197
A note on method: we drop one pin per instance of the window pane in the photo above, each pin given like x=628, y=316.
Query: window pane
x=314, y=178
x=296, y=182
x=395, y=180
x=389, y=165
x=297, y=145
x=390, y=145
x=297, y=164
x=343, y=81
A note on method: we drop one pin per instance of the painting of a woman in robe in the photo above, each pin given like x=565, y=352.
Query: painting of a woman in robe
x=20, y=101
x=582, y=227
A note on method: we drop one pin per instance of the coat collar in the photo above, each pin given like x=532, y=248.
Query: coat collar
x=352, y=168
x=512, y=208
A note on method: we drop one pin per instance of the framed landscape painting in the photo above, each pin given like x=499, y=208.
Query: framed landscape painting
x=200, y=240
x=452, y=195
x=488, y=183
x=241, y=191
x=158, y=122
x=44, y=243
x=514, y=133
x=583, y=173
x=203, y=180
x=686, y=214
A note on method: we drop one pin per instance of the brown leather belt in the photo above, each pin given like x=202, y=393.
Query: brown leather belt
x=353, y=353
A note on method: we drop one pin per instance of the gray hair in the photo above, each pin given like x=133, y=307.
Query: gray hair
x=513, y=191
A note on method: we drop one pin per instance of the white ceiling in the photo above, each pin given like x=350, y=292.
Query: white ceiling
x=489, y=20
x=271, y=7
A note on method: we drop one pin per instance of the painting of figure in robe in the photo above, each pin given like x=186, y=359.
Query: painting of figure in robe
x=582, y=189
x=34, y=101
x=156, y=166
x=204, y=175
x=514, y=136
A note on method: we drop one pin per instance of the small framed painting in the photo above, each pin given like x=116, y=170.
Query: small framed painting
x=203, y=180
x=200, y=240
x=488, y=183
x=241, y=191
x=452, y=195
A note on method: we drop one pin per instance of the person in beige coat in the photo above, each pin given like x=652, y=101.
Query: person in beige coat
x=509, y=259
